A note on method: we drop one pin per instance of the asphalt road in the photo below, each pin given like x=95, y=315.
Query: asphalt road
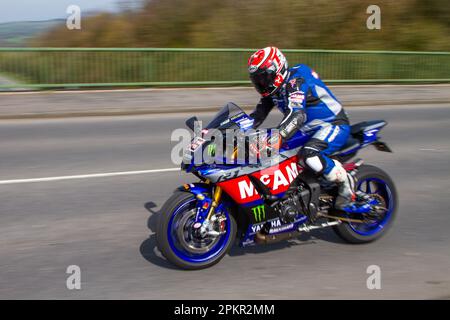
x=103, y=225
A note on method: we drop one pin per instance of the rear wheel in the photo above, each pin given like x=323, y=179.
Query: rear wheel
x=376, y=183
x=179, y=243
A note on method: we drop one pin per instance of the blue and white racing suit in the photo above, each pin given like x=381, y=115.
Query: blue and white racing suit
x=308, y=104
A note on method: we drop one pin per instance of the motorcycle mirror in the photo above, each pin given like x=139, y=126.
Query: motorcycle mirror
x=190, y=122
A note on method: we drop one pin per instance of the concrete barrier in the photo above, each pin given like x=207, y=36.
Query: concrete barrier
x=47, y=104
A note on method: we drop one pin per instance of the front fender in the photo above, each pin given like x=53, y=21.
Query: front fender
x=196, y=188
x=202, y=192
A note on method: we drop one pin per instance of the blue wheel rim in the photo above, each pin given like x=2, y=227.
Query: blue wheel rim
x=382, y=189
x=189, y=256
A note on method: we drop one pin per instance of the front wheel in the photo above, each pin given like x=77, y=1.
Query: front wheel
x=177, y=240
x=377, y=184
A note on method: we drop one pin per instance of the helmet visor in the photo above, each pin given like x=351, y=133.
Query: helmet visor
x=263, y=80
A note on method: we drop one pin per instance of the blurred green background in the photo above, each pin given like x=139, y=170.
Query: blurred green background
x=330, y=36
x=422, y=25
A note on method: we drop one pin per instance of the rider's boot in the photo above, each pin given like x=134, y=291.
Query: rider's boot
x=346, y=185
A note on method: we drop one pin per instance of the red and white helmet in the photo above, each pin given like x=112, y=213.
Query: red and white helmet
x=268, y=69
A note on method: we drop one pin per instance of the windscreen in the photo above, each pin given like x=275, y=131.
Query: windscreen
x=222, y=118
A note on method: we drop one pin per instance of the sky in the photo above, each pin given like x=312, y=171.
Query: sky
x=35, y=10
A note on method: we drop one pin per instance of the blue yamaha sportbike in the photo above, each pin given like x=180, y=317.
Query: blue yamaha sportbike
x=269, y=201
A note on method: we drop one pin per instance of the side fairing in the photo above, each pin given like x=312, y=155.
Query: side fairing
x=277, y=178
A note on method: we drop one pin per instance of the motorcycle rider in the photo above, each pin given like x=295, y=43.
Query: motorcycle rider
x=307, y=104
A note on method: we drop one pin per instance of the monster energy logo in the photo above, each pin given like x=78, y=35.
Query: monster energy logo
x=212, y=150
x=259, y=212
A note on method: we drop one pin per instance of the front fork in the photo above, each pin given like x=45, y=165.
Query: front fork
x=206, y=219
x=215, y=201
x=210, y=226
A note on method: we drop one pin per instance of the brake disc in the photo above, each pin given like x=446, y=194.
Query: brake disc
x=186, y=236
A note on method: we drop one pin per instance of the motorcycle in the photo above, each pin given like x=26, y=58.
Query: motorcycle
x=267, y=202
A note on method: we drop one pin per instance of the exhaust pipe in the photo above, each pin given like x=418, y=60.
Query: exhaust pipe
x=261, y=238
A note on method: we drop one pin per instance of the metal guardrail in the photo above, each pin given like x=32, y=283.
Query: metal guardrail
x=132, y=67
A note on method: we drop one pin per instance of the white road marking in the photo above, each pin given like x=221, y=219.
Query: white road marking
x=430, y=149
x=87, y=176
